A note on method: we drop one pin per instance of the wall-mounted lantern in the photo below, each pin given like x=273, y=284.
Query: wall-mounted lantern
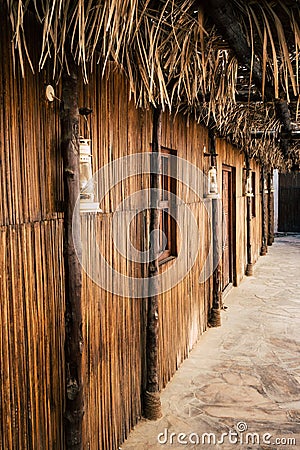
x=212, y=190
x=248, y=187
x=87, y=186
x=271, y=184
x=247, y=183
x=212, y=184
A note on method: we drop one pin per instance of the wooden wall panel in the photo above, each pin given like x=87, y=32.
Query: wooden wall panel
x=118, y=129
x=31, y=164
x=113, y=388
x=32, y=336
x=31, y=266
x=114, y=327
x=114, y=344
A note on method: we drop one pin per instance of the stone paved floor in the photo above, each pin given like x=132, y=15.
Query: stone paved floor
x=243, y=375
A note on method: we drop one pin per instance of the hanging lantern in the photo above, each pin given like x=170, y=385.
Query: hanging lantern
x=87, y=188
x=212, y=183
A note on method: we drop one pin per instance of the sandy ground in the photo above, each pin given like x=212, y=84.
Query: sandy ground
x=241, y=382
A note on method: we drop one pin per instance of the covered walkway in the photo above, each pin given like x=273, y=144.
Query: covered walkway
x=241, y=383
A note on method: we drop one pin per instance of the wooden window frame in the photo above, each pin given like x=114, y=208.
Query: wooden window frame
x=167, y=222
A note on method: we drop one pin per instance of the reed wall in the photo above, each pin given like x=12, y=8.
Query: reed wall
x=112, y=387
x=31, y=259
x=31, y=262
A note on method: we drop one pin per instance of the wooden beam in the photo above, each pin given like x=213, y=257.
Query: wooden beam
x=285, y=116
x=72, y=249
x=283, y=113
x=215, y=313
x=152, y=404
x=221, y=12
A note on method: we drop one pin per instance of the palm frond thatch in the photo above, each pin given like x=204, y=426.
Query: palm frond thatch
x=172, y=52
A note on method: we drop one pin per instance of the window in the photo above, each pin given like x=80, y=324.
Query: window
x=168, y=206
x=253, y=203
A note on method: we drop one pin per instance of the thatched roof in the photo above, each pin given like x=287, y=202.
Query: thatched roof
x=183, y=55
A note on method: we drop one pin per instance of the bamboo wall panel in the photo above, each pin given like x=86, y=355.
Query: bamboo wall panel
x=184, y=309
x=112, y=389
x=32, y=336
x=31, y=164
x=113, y=336
x=31, y=266
x=115, y=327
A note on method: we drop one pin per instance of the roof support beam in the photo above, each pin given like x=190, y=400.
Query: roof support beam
x=74, y=407
x=152, y=403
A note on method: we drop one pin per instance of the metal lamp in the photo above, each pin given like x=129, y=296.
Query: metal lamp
x=248, y=187
x=212, y=183
x=87, y=188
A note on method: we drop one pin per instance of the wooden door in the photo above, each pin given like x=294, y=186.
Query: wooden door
x=289, y=202
x=227, y=200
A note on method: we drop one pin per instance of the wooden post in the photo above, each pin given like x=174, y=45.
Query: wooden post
x=264, y=248
x=270, y=209
x=72, y=249
x=152, y=404
x=249, y=268
x=215, y=314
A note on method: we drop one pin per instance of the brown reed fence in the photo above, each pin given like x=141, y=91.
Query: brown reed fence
x=32, y=336
x=31, y=164
x=115, y=327
x=31, y=264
